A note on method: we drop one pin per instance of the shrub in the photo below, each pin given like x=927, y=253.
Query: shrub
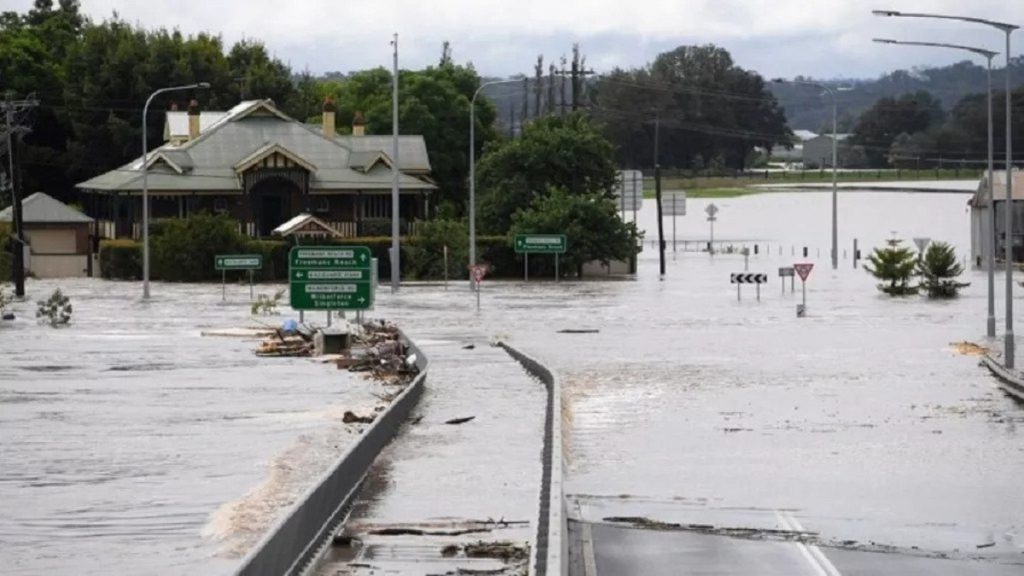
x=425, y=251
x=185, y=249
x=6, y=258
x=120, y=260
x=56, y=310
x=939, y=269
x=894, y=264
x=275, y=258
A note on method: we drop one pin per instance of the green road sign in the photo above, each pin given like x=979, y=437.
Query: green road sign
x=540, y=243
x=238, y=262
x=330, y=278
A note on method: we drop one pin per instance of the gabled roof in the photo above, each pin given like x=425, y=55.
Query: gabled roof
x=269, y=150
x=980, y=197
x=40, y=208
x=251, y=131
x=305, y=225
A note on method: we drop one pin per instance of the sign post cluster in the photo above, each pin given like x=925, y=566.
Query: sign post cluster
x=330, y=278
x=803, y=270
x=674, y=204
x=527, y=244
x=225, y=262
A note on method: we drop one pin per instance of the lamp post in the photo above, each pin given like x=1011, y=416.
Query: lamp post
x=145, y=181
x=472, y=168
x=835, y=155
x=1008, y=344
x=990, y=242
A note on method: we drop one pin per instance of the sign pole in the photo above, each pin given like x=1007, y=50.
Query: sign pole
x=803, y=290
x=250, y=286
x=673, y=222
x=223, y=285
x=328, y=318
x=758, y=292
x=556, y=267
x=526, y=268
x=739, y=297
x=446, y=267
x=477, y=295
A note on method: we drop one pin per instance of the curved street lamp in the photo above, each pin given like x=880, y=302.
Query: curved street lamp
x=1009, y=348
x=472, y=167
x=145, y=181
x=990, y=243
x=835, y=154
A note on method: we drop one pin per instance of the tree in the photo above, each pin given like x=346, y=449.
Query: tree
x=878, y=127
x=563, y=153
x=590, y=222
x=705, y=105
x=939, y=269
x=894, y=264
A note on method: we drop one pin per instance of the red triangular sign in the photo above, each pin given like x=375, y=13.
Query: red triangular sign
x=803, y=270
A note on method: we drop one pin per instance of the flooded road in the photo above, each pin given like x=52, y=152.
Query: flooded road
x=861, y=421
x=131, y=444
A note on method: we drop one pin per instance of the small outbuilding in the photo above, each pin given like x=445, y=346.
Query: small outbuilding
x=57, y=236
x=980, y=227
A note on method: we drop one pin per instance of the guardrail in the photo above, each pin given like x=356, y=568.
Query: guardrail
x=1011, y=383
x=294, y=542
x=550, y=553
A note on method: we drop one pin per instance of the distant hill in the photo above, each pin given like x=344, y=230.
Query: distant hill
x=806, y=110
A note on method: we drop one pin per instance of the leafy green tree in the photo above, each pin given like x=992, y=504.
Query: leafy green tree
x=939, y=269
x=184, y=249
x=565, y=153
x=705, y=104
x=895, y=265
x=590, y=223
x=878, y=127
x=425, y=251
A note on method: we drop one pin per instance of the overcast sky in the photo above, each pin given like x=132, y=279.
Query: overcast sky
x=820, y=38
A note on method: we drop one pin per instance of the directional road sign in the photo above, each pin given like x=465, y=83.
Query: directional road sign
x=804, y=270
x=238, y=262
x=785, y=272
x=330, y=278
x=673, y=203
x=540, y=244
x=748, y=278
x=629, y=190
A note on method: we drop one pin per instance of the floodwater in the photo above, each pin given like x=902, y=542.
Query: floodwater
x=131, y=444
x=686, y=405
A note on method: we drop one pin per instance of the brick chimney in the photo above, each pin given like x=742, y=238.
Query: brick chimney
x=358, y=124
x=193, y=119
x=328, y=120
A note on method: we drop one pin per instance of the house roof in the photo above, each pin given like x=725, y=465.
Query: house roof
x=253, y=129
x=305, y=225
x=176, y=123
x=39, y=208
x=804, y=135
x=980, y=197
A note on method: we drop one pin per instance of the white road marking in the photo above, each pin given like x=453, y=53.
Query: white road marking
x=815, y=557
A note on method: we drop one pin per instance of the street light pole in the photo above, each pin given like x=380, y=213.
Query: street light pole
x=835, y=162
x=472, y=168
x=145, y=181
x=990, y=242
x=1009, y=347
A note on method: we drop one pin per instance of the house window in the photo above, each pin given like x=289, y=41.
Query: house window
x=377, y=206
x=322, y=205
x=220, y=206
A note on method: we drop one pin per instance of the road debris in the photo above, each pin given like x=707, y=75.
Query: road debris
x=457, y=421
x=350, y=417
x=579, y=331
x=968, y=348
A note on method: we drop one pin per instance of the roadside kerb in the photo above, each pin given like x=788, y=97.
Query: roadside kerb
x=1012, y=383
x=550, y=553
x=295, y=541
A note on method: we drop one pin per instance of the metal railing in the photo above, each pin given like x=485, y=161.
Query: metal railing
x=293, y=544
x=550, y=554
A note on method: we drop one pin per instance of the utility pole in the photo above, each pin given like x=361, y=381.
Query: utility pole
x=14, y=117
x=538, y=88
x=657, y=193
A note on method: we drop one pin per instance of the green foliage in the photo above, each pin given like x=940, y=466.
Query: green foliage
x=567, y=154
x=6, y=258
x=5, y=298
x=424, y=252
x=55, y=310
x=894, y=264
x=878, y=127
x=185, y=249
x=939, y=269
x=266, y=305
x=590, y=222
x=682, y=88
x=120, y=260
